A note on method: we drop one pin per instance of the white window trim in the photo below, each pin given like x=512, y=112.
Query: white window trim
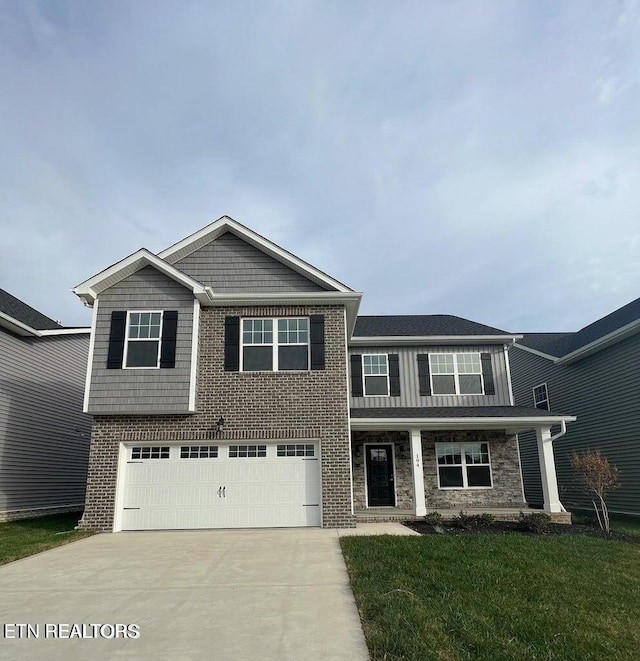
x=546, y=390
x=456, y=374
x=133, y=339
x=275, y=345
x=465, y=485
x=364, y=376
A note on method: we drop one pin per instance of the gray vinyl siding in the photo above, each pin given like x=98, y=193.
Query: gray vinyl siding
x=409, y=388
x=44, y=436
x=602, y=390
x=116, y=391
x=231, y=265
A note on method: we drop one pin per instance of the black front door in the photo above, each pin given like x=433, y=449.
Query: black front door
x=380, y=476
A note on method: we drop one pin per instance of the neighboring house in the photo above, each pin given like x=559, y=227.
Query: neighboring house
x=232, y=385
x=44, y=435
x=595, y=374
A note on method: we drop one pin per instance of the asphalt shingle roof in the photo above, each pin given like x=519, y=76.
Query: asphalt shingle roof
x=560, y=344
x=420, y=325
x=24, y=313
x=451, y=412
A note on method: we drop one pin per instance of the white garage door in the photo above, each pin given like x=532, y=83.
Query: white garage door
x=256, y=485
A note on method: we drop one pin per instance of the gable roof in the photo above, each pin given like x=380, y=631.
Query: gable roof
x=420, y=325
x=225, y=224
x=14, y=310
x=567, y=347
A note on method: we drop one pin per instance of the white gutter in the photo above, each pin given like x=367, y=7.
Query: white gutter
x=24, y=330
x=410, y=340
x=562, y=432
x=511, y=423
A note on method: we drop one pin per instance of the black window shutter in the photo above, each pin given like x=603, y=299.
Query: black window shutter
x=487, y=374
x=424, y=376
x=232, y=344
x=394, y=375
x=116, y=339
x=169, y=333
x=356, y=375
x=316, y=335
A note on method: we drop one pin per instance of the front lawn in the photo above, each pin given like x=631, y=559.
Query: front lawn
x=19, y=539
x=509, y=596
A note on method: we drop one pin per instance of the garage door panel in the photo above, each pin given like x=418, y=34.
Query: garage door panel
x=221, y=491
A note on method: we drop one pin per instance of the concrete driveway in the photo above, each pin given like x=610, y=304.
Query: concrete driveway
x=246, y=594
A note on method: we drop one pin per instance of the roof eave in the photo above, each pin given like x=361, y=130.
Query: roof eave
x=601, y=343
x=407, y=340
x=512, y=425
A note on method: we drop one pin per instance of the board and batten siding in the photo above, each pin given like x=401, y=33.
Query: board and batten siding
x=602, y=390
x=44, y=435
x=230, y=265
x=409, y=387
x=114, y=391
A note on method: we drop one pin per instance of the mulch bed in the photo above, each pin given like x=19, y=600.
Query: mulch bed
x=510, y=527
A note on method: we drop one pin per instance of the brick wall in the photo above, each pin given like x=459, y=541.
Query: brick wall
x=265, y=405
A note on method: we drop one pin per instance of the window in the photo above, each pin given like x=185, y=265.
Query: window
x=150, y=452
x=541, y=397
x=375, y=370
x=275, y=344
x=144, y=330
x=297, y=450
x=463, y=465
x=240, y=451
x=198, y=452
x=456, y=374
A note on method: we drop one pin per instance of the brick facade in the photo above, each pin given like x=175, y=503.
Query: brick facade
x=505, y=466
x=254, y=405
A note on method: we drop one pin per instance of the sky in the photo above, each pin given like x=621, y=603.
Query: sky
x=473, y=158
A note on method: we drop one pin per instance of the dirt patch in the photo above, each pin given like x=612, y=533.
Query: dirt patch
x=515, y=527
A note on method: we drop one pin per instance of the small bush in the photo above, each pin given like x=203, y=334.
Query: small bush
x=537, y=522
x=433, y=519
x=472, y=521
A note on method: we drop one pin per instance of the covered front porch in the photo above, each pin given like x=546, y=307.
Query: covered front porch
x=414, y=461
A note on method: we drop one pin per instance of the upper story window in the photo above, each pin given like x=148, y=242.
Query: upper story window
x=541, y=397
x=456, y=374
x=375, y=370
x=275, y=344
x=143, y=339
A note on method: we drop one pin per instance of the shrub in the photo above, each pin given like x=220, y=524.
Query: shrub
x=433, y=519
x=536, y=522
x=598, y=477
x=472, y=521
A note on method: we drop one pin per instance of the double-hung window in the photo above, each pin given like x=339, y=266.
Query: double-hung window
x=275, y=344
x=456, y=374
x=463, y=465
x=541, y=397
x=375, y=370
x=143, y=333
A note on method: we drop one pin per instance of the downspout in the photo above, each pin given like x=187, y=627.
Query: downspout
x=562, y=432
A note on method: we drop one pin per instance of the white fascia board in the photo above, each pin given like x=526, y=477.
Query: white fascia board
x=511, y=423
x=224, y=224
x=89, y=289
x=407, y=340
x=535, y=352
x=16, y=326
x=64, y=331
x=601, y=343
x=351, y=300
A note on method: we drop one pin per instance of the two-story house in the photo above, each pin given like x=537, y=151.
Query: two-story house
x=44, y=435
x=594, y=373
x=232, y=385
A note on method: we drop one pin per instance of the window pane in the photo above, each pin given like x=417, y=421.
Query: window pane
x=142, y=354
x=448, y=453
x=478, y=476
x=444, y=385
x=375, y=365
x=450, y=476
x=293, y=357
x=375, y=385
x=470, y=384
x=468, y=363
x=441, y=363
x=257, y=359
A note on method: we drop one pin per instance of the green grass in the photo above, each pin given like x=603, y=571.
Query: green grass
x=620, y=523
x=509, y=596
x=19, y=539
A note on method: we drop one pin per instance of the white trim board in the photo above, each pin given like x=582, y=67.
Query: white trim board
x=420, y=340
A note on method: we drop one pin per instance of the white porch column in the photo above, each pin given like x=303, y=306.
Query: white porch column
x=548, y=471
x=417, y=473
